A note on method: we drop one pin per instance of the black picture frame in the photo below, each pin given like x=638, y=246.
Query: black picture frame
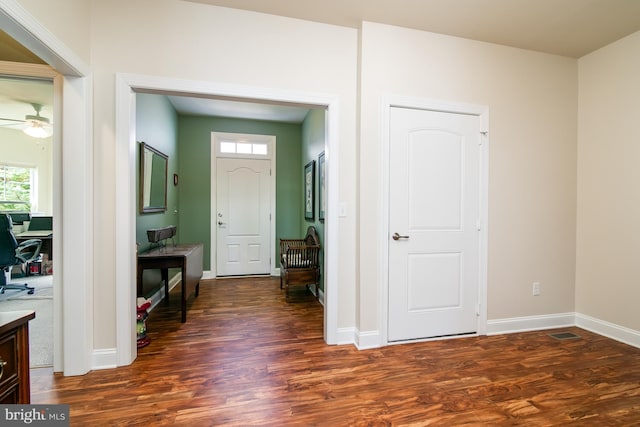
x=309, y=190
x=153, y=179
x=322, y=203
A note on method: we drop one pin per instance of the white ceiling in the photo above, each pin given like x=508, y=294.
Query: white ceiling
x=17, y=97
x=563, y=27
x=245, y=110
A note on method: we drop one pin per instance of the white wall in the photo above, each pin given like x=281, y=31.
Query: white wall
x=532, y=158
x=183, y=40
x=608, y=236
x=67, y=19
x=533, y=173
x=19, y=149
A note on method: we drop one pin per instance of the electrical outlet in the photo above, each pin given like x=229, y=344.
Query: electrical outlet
x=536, y=289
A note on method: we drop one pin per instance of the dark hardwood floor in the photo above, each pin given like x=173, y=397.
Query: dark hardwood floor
x=246, y=357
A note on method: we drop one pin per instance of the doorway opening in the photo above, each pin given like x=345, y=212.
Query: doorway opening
x=28, y=195
x=126, y=88
x=243, y=204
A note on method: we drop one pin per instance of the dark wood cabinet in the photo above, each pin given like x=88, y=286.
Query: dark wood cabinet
x=14, y=357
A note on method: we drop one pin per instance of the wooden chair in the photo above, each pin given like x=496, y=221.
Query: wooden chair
x=300, y=262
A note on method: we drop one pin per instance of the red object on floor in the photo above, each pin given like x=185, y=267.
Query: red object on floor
x=141, y=325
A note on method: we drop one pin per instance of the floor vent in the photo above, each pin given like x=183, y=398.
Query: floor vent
x=564, y=336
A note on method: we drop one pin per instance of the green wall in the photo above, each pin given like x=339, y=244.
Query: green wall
x=156, y=125
x=313, y=142
x=194, y=147
x=186, y=140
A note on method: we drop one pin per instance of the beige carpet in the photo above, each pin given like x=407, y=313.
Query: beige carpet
x=40, y=328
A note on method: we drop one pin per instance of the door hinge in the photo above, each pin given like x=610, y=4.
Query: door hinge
x=478, y=225
x=478, y=309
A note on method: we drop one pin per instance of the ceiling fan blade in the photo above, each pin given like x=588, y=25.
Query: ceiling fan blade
x=4, y=119
x=11, y=123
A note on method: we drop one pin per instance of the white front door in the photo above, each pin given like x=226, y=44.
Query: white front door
x=434, y=210
x=243, y=216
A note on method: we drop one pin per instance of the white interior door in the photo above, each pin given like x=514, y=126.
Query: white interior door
x=243, y=216
x=434, y=191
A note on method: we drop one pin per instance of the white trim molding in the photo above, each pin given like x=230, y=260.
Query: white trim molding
x=564, y=320
x=271, y=142
x=346, y=336
x=371, y=339
x=609, y=330
x=126, y=87
x=365, y=340
x=105, y=358
x=482, y=111
x=73, y=181
x=530, y=323
x=16, y=21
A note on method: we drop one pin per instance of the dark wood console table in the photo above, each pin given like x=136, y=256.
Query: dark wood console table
x=187, y=257
x=14, y=357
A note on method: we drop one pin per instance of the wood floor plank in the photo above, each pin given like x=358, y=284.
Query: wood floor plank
x=247, y=357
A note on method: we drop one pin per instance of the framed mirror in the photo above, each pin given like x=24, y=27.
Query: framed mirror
x=153, y=179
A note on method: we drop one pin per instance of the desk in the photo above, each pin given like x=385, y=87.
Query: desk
x=187, y=257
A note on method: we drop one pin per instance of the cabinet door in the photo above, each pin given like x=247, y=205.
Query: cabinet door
x=9, y=357
x=10, y=395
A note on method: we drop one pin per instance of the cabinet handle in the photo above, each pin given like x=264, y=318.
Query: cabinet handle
x=2, y=363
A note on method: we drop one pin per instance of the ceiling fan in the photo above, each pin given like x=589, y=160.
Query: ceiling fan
x=36, y=125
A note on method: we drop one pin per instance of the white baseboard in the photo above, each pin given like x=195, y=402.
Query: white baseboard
x=366, y=340
x=563, y=320
x=609, y=330
x=159, y=294
x=105, y=358
x=530, y=323
x=345, y=336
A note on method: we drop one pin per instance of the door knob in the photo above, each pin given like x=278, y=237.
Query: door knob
x=396, y=236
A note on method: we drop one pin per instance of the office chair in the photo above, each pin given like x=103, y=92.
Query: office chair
x=12, y=253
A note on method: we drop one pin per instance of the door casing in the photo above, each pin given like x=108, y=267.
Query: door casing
x=270, y=140
x=126, y=87
x=433, y=105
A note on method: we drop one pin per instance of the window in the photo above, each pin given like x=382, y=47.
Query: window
x=256, y=149
x=243, y=145
x=17, y=185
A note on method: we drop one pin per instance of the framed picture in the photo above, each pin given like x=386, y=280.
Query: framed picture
x=321, y=187
x=309, y=183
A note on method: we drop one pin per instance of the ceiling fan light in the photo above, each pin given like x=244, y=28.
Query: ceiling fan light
x=36, y=129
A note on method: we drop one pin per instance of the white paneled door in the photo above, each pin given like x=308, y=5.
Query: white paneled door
x=243, y=216
x=434, y=213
